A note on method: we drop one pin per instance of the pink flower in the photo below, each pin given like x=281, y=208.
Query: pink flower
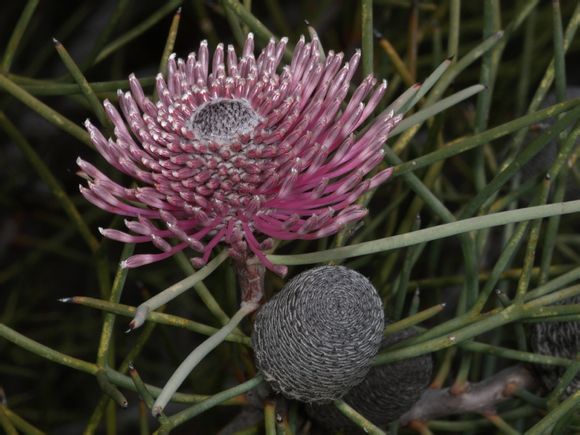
x=236, y=152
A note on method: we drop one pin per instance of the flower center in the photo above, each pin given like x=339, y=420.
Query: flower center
x=223, y=121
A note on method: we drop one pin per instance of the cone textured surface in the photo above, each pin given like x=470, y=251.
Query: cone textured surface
x=560, y=339
x=316, y=338
x=386, y=393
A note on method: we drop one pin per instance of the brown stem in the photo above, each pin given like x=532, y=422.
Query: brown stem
x=250, y=275
x=480, y=397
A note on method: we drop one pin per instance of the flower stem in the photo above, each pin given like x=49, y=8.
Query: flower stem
x=196, y=356
x=250, y=276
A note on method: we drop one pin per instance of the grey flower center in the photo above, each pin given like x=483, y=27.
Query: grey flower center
x=223, y=121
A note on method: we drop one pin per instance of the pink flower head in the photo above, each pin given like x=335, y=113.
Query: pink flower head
x=236, y=152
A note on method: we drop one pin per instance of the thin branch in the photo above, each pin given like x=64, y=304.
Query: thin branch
x=481, y=397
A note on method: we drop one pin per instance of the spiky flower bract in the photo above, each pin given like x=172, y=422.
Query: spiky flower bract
x=240, y=151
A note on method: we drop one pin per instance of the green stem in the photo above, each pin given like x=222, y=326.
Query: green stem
x=170, y=42
x=545, y=425
x=45, y=111
x=103, y=351
x=156, y=317
x=358, y=418
x=142, y=27
x=195, y=357
x=558, y=170
x=530, y=254
x=270, y=417
x=548, y=78
x=502, y=425
x=97, y=415
x=489, y=63
x=367, y=37
x=144, y=393
x=52, y=183
x=110, y=389
x=559, y=58
x=556, y=283
x=526, y=63
x=503, y=262
x=17, y=33
x=175, y=290
x=565, y=380
x=5, y=422
x=530, y=151
x=59, y=89
x=202, y=291
x=509, y=274
x=46, y=352
x=470, y=330
x=115, y=377
x=278, y=17
x=187, y=414
x=436, y=108
x=516, y=355
x=430, y=234
x=454, y=25
x=234, y=23
x=459, y=146
x=121, y=9
x=247, y=17
x=84, y=85
x=21, y=424
x=411, y=257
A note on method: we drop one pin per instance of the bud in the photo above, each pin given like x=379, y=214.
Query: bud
x=316, y=338
x=386, y=393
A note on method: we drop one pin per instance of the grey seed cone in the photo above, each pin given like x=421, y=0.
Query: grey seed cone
x=385, y=394
x=557, y=339
x=316, y=338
